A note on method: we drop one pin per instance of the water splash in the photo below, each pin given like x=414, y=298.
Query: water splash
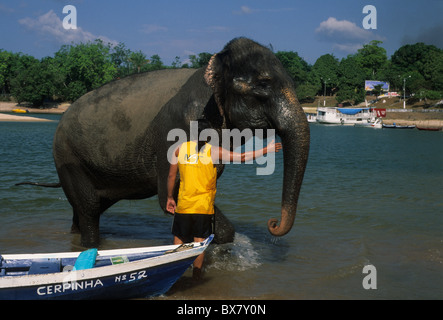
x=237, y=256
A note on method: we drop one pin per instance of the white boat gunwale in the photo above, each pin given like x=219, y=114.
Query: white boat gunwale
x=99, y=272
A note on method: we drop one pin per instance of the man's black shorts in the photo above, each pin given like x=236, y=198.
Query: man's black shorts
x=189, y=226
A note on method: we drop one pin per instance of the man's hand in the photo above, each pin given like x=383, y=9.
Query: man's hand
x=274, y=147
x=171, y=205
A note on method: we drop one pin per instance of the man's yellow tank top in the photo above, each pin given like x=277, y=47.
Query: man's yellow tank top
x=198, y=180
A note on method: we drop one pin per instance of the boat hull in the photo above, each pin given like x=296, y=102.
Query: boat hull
x=393, y=126
x=138, y=283
x=429, y=129
x=117, y=274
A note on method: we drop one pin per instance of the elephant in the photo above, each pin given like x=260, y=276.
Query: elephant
x=111, y=144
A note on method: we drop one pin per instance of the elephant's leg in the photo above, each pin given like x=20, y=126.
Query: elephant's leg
x=88, y=214
x=224, y=229
x=86, y=203
x=75, y=228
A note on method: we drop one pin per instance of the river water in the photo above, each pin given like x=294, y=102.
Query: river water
x=370, y=197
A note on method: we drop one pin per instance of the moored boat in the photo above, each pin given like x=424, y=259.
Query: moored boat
x=396, y=126
x=104, y=274
x=345, y=116
x=377, y=124
x=20, y=111
x=430, y=128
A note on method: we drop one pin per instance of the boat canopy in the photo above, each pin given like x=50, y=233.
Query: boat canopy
x=352, y=111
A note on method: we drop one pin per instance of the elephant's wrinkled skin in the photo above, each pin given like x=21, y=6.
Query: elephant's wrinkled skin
x=111, y=143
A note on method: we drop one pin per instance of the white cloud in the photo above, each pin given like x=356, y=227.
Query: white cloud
x=51, y=26
x=345, y=35
x=244, y=10
x=347, y=47
x=249, y=10
x=342, y=30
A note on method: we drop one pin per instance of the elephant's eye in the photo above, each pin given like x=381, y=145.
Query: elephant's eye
x=264, y=81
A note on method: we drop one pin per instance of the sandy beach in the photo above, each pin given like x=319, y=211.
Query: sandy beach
x=419, y=119
x=13, y=118
x=7, y=107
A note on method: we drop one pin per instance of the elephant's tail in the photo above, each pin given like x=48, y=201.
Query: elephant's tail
x=45, y=185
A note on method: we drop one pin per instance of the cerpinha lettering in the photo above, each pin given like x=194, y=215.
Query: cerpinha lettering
x=68, y=286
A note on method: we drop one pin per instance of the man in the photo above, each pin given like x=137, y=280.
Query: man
x=194, y=210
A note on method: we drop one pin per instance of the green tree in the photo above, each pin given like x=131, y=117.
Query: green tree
x=155, y=63
x=372, y=59
x=5, y=70
x=201, y=60
x=424, y=63
x=176, y=63
x=433, y=70
x=296, y=66
x=138, y=60
x=23, y=69
x=120, y=56
x=412, y=57
x=306, y=92
x=414, y=81
x=351, y=81
x=32, y=80
x=85, y=67
x=325, y=71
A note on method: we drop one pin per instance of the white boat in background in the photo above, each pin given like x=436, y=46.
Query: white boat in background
x=345, y=116
x=377, y=124
x=312, y=117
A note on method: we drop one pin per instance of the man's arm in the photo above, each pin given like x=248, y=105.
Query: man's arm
x=173, y=168
x=229, y=156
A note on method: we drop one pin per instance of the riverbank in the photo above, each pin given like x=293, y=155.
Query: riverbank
x=14, y=118
x=54, y=108
x=420, y=119
x=8, y=107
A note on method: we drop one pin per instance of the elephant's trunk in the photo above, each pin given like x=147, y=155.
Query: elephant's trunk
x=293, y=128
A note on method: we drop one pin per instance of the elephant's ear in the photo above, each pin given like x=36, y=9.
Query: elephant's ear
x=213, y=77
x=210, y=74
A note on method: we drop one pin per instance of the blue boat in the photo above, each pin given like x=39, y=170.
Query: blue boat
x=96, y=274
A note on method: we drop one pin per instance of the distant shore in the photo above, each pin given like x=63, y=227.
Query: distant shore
x=27, y=117
x=420, y=119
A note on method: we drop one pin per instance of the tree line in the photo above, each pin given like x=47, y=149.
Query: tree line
x=418, y=68
x=79, y=68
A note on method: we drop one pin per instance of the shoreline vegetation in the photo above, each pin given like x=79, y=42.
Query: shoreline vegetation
x=419, y=117
x=414, y=71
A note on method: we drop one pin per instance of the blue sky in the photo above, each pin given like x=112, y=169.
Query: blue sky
x=172, y=28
